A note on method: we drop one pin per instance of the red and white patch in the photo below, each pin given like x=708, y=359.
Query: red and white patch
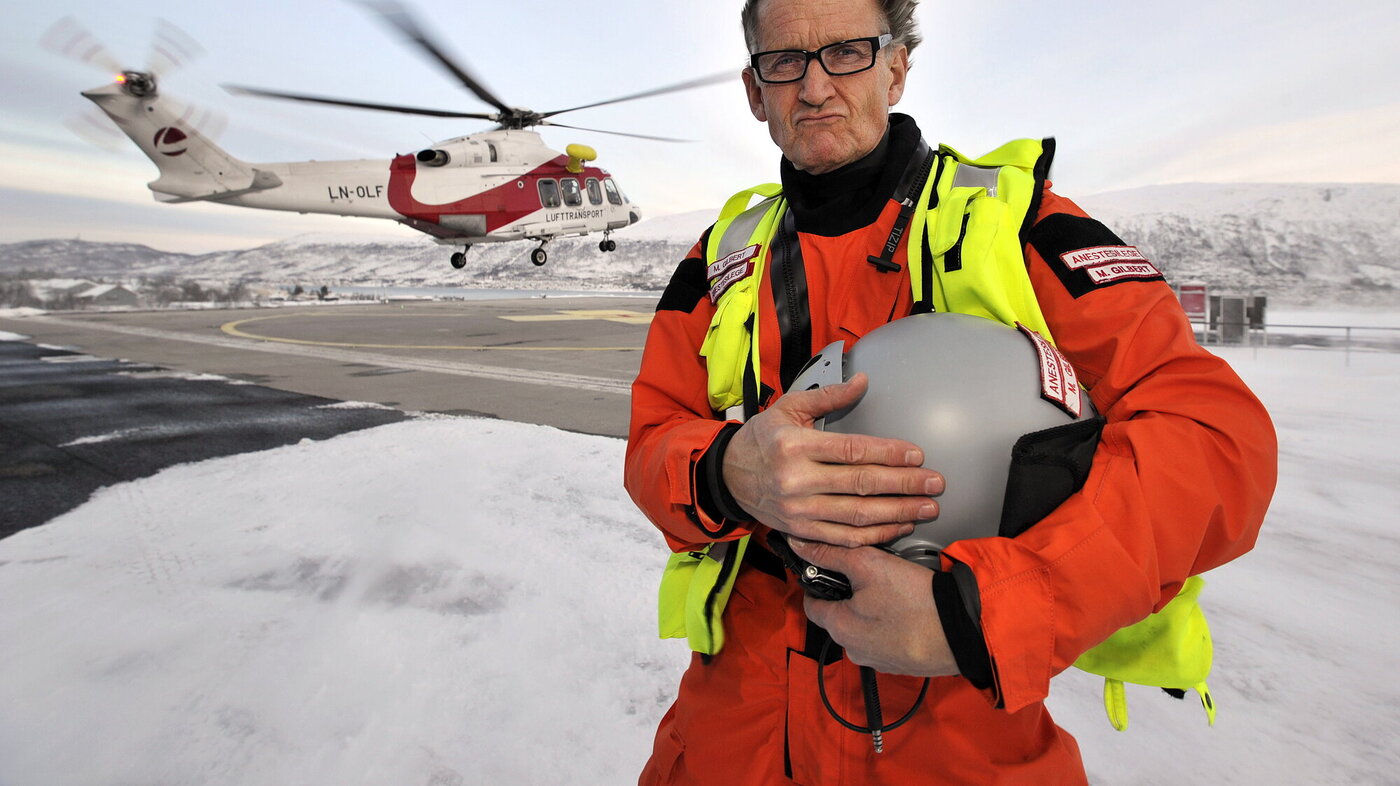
x=1116, y=271
x=1085, y=257
x=722, y=265
x=1059, y=385
x=722, y=284
x=168, y=141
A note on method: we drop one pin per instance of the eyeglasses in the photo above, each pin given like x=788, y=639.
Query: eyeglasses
x=842, y=58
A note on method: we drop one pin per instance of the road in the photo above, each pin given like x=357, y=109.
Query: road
x=564, y=362
x=95, y=399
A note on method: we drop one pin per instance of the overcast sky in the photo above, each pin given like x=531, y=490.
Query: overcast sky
x=1136, y=94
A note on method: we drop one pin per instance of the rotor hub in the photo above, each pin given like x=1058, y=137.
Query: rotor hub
x=139, y=84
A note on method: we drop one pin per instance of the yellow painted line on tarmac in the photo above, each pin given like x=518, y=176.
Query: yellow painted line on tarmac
x=234, y=329
x=609, y=314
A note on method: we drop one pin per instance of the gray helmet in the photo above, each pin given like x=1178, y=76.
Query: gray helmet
x=997, y=410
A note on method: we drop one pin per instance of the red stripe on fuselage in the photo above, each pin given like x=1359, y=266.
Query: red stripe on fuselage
x=501, y=205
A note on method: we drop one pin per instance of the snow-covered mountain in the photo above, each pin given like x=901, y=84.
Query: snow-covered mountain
x=1297, y=242
x=1333, y=241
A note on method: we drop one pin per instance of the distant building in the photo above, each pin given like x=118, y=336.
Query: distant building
x=54, y=288
x=107, y=295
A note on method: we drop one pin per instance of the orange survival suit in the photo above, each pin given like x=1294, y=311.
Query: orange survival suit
x=1179, y=484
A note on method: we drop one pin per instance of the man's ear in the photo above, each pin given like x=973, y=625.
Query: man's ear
x=899, y=71
x=755, y=94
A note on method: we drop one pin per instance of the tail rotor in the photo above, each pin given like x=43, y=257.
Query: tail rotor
x=171, y=49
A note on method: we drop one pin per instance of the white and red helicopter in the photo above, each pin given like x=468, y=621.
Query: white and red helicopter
x=493, y=186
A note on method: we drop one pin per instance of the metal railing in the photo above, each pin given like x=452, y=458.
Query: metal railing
x=1344, y=337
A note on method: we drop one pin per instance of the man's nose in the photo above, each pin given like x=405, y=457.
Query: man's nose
x=816, y=85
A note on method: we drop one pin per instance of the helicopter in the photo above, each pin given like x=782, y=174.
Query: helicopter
x=499, y=185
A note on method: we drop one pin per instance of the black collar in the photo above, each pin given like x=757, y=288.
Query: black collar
x=851, y=197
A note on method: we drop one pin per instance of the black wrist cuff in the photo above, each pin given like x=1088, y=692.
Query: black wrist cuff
x=712, y=495
x=960, y=627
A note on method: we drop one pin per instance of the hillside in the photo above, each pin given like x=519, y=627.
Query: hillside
x=1297, y=242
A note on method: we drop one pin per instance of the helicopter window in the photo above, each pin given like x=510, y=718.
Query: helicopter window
x=492, y=148
x=614, y=196
x=573, y=197
x=549, y=193
x=595, y=194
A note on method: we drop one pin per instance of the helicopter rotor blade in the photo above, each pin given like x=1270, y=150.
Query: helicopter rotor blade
x=171, y=48
x=95, y=128
x=69, y=38
x=396, y=15
x=208, y=122
x=407, y=110
x=704, y=81
x=615, y=133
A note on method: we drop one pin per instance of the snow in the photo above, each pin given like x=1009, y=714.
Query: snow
x=451, y=600
x=97, y=439
x=682, y=228
x=7, y=336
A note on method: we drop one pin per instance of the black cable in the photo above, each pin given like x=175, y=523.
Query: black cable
x=871, y=694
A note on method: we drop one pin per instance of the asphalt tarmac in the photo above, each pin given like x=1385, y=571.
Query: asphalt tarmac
x=90, y=399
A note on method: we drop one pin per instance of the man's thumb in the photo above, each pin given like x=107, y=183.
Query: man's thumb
x=824, y=555
x=808, y=405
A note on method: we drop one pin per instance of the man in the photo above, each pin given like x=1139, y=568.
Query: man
x=1179, y=482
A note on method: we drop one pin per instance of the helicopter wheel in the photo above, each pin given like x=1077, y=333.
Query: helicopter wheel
x=602, y=245
x=612, y=245
x=538, y=256
x=459, y=259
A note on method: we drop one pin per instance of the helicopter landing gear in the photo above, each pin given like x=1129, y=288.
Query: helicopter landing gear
x=459, y=258
x=538, y=256
x=607, y=244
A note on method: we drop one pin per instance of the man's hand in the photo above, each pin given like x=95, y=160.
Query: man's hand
x=890, y=623
x=843, y=489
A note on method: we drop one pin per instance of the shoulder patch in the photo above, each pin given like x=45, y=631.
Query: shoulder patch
x=686, y=288
x=688, y=285
x=1086, y=255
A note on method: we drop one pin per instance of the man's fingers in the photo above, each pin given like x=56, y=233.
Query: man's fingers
x=865, y=512
x=871, y=480
x=833, y=448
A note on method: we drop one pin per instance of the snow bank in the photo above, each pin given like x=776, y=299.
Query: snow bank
x=451, y=601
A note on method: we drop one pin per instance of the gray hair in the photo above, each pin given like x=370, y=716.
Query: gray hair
x=899, y=21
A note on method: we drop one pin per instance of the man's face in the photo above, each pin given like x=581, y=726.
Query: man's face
x=824, y=122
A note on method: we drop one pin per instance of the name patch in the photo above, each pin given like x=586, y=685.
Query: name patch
x=1097, y=255
x=1104, y=274
x=723, y=264
x=1059, y=385
x=1087, y=256
x=735, y=274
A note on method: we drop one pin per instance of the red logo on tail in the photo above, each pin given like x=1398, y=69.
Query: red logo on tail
x=167, y=138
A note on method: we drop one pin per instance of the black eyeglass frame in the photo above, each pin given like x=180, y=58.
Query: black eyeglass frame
x=878, y=42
